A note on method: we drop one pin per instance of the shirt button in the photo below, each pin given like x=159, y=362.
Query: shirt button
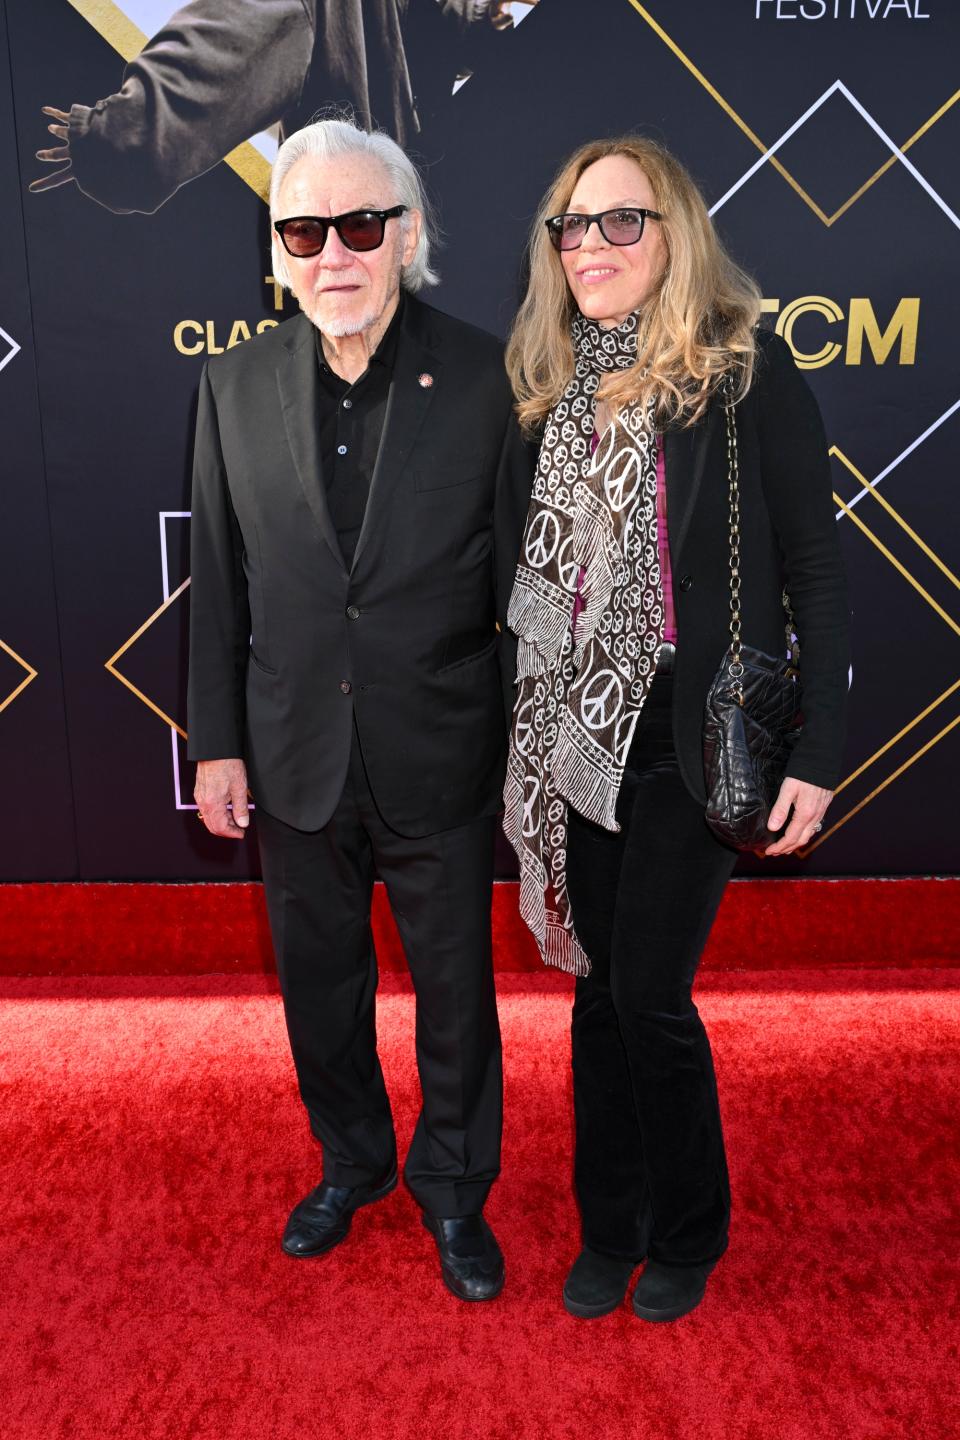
x=353, y=613
x=348, y=404
x=345, y=686
x=341, y=449
x=686, y=582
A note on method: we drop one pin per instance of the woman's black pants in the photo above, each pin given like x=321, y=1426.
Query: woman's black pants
x=650, y=1168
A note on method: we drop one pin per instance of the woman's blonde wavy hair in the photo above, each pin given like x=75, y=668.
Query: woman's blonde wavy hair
x=696, y=326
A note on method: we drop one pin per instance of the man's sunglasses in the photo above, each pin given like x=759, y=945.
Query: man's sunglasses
x=618, y=227
x=306, y=235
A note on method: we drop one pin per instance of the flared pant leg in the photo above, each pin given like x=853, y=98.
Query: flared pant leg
x=650, y=1166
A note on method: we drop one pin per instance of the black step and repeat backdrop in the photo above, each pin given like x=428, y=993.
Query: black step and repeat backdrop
x=824, y=134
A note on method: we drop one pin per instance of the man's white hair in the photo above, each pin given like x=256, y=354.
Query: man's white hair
x=331, y=139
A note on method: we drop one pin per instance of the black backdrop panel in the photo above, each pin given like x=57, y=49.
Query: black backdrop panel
x=826, y=147
x=37, y=827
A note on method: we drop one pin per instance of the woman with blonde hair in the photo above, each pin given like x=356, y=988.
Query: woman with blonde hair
x=637, y=360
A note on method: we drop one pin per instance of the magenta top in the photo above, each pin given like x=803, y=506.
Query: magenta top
x=663, y=549
x=663, y=546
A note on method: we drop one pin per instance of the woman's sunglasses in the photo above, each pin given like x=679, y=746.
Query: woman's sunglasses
x=618, y=227
x=306, y=235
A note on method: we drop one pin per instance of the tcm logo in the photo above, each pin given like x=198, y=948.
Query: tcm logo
x=898, y=336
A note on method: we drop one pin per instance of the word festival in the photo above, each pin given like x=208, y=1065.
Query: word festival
x=841, y=9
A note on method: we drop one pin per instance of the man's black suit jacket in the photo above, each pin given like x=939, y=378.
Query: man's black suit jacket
x=286, y=644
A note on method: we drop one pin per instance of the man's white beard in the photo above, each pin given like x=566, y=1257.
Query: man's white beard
x=338, y=329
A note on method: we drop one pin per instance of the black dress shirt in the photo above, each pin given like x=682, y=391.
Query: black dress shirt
x=351, y=425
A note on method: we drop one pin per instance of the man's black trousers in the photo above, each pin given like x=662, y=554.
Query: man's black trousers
x=319, y=888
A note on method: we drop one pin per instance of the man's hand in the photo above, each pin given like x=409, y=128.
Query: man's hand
x=57, y=154
x=809, y=807
x=222, y=783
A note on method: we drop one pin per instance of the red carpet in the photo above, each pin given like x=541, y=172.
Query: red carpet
x=201, y=929
x=152, y=1144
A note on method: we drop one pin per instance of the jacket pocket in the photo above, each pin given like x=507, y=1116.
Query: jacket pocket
x=451, y=473
x=475, y=659
x=255, y=660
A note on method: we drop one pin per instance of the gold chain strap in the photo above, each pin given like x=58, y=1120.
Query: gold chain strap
x=733, y=480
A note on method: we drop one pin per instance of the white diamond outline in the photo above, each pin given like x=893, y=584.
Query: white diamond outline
x=838, y=86
x=14, y=348
x=166, y=515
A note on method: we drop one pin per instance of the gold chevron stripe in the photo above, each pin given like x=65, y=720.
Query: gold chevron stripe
x=888, y=554
x=728, y=109
x=881, y=787
x=934, y=704
x=899, y=736
x=937, y=115
x=109, y=21
x=882, y=500
x=781, y=169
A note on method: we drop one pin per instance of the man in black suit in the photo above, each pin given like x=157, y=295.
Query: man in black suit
x=360, y=488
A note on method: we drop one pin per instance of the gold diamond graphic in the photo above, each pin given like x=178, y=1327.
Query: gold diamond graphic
x=31, y=674
x=111, y=664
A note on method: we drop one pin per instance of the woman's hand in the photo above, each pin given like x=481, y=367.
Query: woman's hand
x=809, y=807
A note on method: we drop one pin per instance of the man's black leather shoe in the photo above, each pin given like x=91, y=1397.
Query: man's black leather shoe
x=470, y=1258
x=665, y=1292
x=323, y=1218
x=596, y=1284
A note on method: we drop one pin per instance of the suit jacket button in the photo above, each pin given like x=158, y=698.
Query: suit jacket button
x=686, y=582
x=345, y=686
x=353, y=613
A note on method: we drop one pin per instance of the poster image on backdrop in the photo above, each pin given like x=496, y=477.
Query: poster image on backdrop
x=219, y=73
x=822, y=137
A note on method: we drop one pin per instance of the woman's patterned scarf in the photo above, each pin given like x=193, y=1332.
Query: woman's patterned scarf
x=592, y=520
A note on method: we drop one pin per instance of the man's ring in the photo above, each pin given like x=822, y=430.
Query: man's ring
x=818, y=826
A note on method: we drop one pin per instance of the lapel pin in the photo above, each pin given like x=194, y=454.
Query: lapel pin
x=426, y=380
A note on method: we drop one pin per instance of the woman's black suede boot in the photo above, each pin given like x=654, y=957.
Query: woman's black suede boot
x=596, y=1284
x=665, y=1292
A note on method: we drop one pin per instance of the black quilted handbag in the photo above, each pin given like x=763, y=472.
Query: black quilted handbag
x=752, y=718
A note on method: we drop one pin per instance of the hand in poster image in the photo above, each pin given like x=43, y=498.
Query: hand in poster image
x=221, y=796
x=57, y=154
x=221, y=71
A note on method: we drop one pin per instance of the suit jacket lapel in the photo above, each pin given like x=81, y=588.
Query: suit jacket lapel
x=299, y=386
x=407, y=405
x=685, y=458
